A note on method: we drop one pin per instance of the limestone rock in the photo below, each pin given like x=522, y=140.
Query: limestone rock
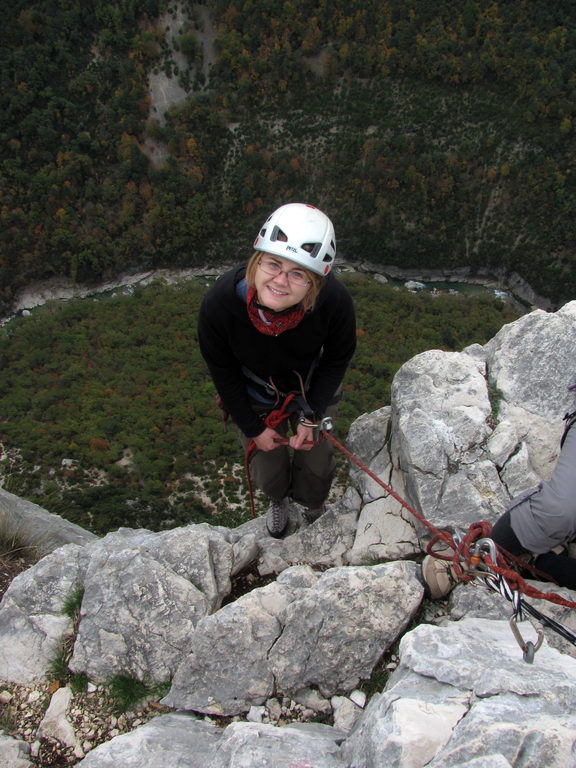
x=55, y=724
x=41, y=530
x=169, y=740
x=336, y=631
x=14, y=753
x=325, y=631
x=462, y=693
x=226, y=669
x=124, y=593
x=33, y=624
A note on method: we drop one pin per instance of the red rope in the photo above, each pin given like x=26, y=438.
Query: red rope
x=476, y=531
x=272, y=420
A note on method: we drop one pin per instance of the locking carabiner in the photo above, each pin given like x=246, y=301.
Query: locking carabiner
x=528, y=648
x=477, y=554
x=324, y=425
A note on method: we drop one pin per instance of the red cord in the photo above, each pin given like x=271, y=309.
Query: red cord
x=476, y=531
x=274, y=419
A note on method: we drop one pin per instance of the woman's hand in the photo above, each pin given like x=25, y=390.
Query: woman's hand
x=269, y=440
x=303, y=440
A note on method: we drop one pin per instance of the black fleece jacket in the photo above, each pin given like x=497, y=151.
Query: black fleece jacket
x=228, y=341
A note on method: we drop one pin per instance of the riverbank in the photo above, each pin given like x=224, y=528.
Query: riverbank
x=63, y=289
x=495, y=279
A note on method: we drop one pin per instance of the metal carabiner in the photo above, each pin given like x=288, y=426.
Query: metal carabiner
x=482, y=547
x=457, y=536
x=528, y=648
x=326, y=424
x=486, y=546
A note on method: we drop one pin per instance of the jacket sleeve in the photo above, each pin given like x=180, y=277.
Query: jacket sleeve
x=225, y=368
x=338, y=349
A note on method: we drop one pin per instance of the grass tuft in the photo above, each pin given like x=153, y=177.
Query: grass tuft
x=73, y=602
x=126, y=692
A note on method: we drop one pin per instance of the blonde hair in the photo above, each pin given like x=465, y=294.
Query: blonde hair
x=316, y=281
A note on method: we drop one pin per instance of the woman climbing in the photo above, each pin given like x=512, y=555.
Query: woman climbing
x=282, y=327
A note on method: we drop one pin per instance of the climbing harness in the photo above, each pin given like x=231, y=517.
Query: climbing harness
x=276, y=395
x=294, y=402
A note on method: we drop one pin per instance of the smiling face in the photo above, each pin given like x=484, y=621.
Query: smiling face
x=280, y=291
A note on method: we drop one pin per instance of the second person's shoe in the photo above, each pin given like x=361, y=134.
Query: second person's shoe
x=439, y=575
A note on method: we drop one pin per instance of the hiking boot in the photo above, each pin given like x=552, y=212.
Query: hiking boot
x=277, y=517
x=438, y=575
x=313, y=513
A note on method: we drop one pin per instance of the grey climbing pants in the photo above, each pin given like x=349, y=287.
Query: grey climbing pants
x=544, y=518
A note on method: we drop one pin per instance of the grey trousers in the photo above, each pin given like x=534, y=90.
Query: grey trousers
x=305, y=476
x=545, y=517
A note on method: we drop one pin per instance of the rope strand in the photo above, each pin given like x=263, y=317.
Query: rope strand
x=503, y=567
x=476, y=531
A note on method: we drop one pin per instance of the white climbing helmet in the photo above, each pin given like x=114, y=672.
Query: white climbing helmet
x=301, y=233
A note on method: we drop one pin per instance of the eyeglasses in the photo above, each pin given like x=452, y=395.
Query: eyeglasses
x=295, y=276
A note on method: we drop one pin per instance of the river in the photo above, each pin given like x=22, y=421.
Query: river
x=62, y=289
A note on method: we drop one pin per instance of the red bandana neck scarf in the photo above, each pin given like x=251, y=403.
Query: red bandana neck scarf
x=272, y=323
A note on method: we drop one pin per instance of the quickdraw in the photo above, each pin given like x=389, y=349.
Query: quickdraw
x=495, y=578
x=485, y=552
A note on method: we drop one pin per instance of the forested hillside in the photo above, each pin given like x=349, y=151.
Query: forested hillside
x=435, y=134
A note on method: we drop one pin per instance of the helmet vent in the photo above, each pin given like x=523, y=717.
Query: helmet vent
x=277, y=234
x=312, y=248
